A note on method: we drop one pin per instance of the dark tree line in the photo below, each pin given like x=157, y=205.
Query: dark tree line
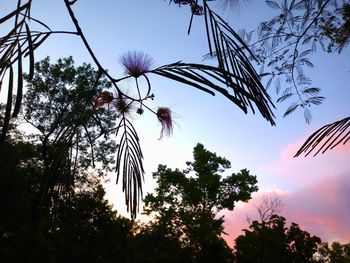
x=83, y=227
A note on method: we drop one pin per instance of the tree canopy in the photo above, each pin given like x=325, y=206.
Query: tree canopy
x=186, y=203
x=272, y=241
x=186, y=226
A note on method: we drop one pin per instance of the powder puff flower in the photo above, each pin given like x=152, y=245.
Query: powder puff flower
x=136, y=63
x=105, y=97
x=164, y=116
x=122, y=105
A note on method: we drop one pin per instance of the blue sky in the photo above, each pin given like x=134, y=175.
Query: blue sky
x=248, y=141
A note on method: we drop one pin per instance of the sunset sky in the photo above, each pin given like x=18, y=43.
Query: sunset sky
x=315, y=191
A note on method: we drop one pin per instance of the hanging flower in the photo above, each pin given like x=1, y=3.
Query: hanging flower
x=105, y=97
x=164, y=116
x=136, y=63
x=139, y=111
x=196, y=9
x=122, y=105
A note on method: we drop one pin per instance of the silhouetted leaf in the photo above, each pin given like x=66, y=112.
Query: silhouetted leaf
x=311, y=91
x=317, y=100
x=129, y=165
x=272, y=4
x=291, y=109
x=14, y=13
x=278, y=85
x=8, y=107
x=307, y=115
x=305, y=53
x=285, y=96
x=269, y=83
x=19, y=94
x=326, y=138
x=234, y=64
x=210, y=79
x=31, y=53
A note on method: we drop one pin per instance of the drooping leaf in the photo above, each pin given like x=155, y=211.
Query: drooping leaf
x=272, y=4
x=326, y=138
x=229, y=49
x=211, y=79
x=19, y=94
x=307, y=115
x=291, y=109
x=8, y=108
x=31, y=53
x=129, y=165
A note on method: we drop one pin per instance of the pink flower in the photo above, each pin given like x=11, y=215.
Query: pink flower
x=122, y=105
x=105, y=97
x=136, y=63
x=164, y=116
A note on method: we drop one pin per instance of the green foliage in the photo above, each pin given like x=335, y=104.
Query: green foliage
x=58, y=104
x=339, y=253
x=271, y=241
x=334, y=253
x=284, y=44
x=186, y=202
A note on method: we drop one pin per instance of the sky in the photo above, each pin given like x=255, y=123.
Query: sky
x=315, y=191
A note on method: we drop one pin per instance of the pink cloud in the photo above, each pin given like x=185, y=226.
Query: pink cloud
x=306, y=170
x=322, y=209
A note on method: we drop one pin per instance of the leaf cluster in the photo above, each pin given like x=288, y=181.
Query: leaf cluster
x=284, y=46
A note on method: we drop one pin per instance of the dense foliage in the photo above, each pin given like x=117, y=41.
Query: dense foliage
x=83, y=227
x=186, y=203
x=271, y=241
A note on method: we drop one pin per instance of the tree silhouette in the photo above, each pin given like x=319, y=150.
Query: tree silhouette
x=80, y=227
x=271, y=241
x=186, y=203
x=58, y=104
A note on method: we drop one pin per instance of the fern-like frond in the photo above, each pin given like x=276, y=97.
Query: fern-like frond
x=229, y=50
x=213, y=79
x=326, y=138
x=129, y=165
